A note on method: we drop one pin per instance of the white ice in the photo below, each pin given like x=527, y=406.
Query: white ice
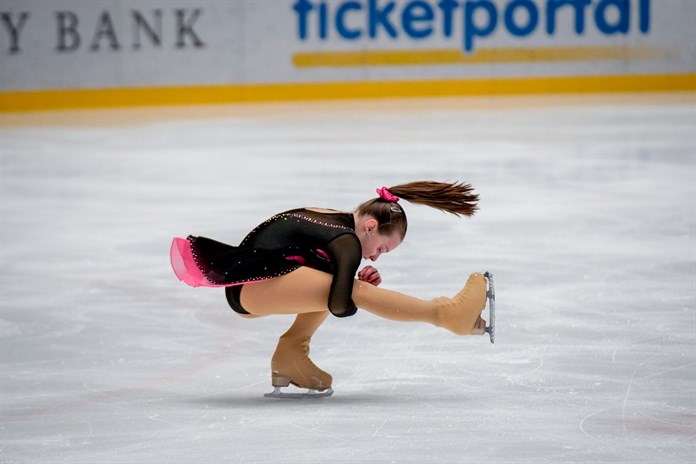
x=587, y=220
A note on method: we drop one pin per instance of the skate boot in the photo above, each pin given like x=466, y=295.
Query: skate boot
x=461, y=314
x=291, y=365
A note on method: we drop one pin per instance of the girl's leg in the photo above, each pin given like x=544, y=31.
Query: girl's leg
x=306, y=290
x=291, y=363
x=460, y=314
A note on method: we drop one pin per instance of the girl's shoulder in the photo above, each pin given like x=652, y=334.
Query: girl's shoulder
x=331, y=218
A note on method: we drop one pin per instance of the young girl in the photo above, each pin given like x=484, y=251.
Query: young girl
x=304, y=261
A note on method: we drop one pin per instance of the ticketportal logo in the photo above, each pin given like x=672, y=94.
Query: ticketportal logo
x=471, y=21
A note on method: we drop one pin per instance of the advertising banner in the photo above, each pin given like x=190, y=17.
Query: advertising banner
x=58, y=45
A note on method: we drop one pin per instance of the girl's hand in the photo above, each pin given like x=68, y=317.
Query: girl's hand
x=370, y=275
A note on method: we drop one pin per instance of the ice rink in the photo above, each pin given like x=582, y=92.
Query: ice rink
x=587, y=220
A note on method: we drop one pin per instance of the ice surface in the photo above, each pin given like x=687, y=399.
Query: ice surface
x=588, y=222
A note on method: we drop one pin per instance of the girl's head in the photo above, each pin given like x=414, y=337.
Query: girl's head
x=382, y=221
x=380, y=225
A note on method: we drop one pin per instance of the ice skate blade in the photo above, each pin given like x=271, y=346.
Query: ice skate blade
x=490, y=330
x=309, y=394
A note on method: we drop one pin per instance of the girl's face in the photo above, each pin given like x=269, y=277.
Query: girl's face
x=374, y=244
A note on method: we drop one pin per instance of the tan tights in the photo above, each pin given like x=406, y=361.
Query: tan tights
x=306, y=290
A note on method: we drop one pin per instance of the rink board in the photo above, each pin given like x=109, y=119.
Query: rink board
x=70, y=54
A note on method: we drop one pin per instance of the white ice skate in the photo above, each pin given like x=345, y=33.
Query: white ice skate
x=490, y=329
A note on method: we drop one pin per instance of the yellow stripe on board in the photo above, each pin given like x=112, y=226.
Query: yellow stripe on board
x=434, y=57
x=41, y=100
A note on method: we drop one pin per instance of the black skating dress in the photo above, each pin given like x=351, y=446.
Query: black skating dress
x=325, y=241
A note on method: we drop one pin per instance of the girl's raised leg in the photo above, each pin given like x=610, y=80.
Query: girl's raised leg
x=306, y=290
x=460, y=314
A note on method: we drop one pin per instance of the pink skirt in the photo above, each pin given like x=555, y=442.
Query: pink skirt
x=185, y=266
x=188, y=271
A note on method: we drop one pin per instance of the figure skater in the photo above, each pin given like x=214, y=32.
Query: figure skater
x=304, y=261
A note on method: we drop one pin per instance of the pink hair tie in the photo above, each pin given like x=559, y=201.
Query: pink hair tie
x=385, y=194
